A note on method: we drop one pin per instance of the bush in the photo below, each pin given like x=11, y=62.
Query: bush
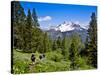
x=54, y=56
x=52, y=62
x=82, y=64
x=21, y=62
x=51, y=66
x=20, y=67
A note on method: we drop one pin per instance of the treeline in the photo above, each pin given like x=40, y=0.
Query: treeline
x=28, y=36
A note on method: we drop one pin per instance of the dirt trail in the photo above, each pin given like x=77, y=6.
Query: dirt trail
x=31, y=67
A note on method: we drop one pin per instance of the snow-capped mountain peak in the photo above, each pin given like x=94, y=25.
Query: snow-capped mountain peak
x=68, y=26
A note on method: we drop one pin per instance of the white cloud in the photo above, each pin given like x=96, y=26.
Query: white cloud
x=46, y=18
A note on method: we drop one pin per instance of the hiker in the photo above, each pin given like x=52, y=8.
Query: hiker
x=33, y=58
x=42, y=56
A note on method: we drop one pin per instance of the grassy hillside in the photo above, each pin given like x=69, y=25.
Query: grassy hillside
x=53, y=62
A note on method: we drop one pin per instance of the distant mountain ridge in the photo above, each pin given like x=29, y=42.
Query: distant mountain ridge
x=68, y=26
x=67, y=29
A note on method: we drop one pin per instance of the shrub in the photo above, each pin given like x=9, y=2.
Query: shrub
x=20, y=67
x=82, y=64
x=54, y=56
x=21, y=62
x=51, y=66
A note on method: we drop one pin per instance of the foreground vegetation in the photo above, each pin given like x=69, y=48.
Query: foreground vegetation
x=23, y=64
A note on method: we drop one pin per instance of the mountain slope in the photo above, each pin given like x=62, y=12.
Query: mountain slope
x=68, y=26
x=67, y=29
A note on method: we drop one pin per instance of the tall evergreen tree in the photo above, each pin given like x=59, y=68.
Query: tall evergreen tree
x=37, y=40
x=92, y=42
x=84, y=52
x=35, y=18
x=73, y=56
x=59, y=42
x=54, y=45
x=65, y=47
x=46, y=43
x=18, y=17
x=74, y=50
x=28, y=32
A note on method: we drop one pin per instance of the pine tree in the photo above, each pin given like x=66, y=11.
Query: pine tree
x=59, y=42
x=37, y=40
x=28, y=32
x=92, y=42
x=74, y=50
x=65, y=47
x=73, y=56
x=54, y=45
x=84, y=52
x=46, y=43
x=35, y=18
x=18, y=17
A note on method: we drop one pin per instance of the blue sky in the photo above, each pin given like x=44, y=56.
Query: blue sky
x=55, y=14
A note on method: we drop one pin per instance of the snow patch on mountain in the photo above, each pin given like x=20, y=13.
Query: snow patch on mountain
x=86, y=27
x=68, y=26
x=64, y=27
